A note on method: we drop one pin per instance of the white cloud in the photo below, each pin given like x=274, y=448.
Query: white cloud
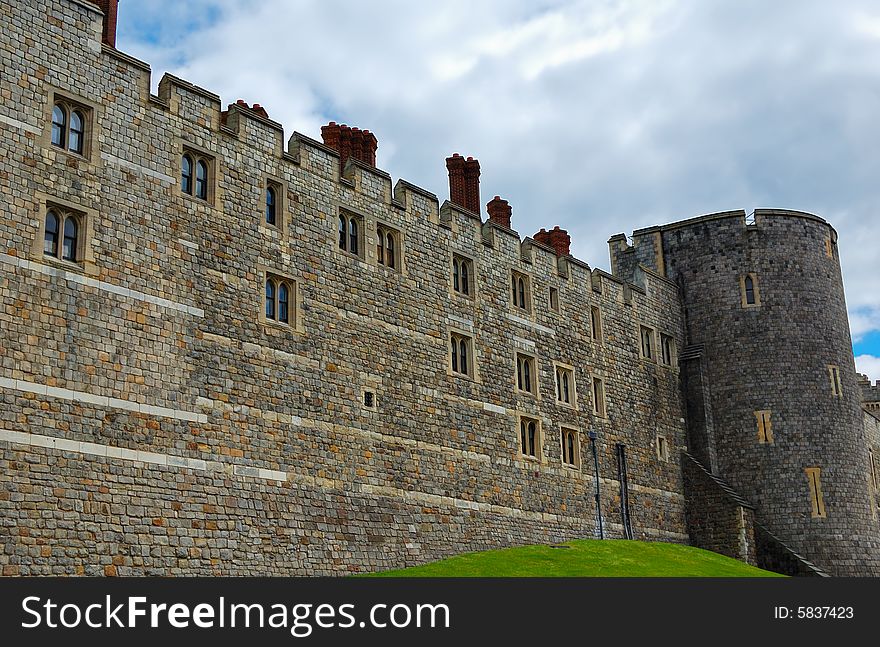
x=869, y=365
x=600, y=116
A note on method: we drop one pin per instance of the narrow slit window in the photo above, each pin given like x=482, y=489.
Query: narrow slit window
x=765, y=427
x=750, y=290
x=817, y=500
x=599, y=397
x=596, y=322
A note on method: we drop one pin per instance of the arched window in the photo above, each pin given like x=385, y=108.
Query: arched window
x=186, y=174
x=386, y=246
x=283, y=301
x=528, y=435
x=455, y=354
x=389, y=246
x=343, y=225
x=380, y=247
x=353, y=236
x=202, y=180
x=77, y=131
x=461, y=350
x=455, y=270
x=520, y=291
x=465, y=279
x=270, y=299
x=71, y=230
x=750, y=290
x=50, y=237
x=569, y=447
x=525, y=373
x=270, y=205
x=59, y=125
x=565, y=394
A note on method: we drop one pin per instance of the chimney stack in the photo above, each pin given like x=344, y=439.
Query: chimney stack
x=499, y=211
x=464, y=182
x=110, y=8
x=350, y=142
x=557, y=238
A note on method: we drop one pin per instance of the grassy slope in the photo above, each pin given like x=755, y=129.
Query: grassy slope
x=587, y=558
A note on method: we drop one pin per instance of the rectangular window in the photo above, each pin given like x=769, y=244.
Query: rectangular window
x=599, y=397
x=529, y=438
x=667, y=350
x=462, y=275
x=647, y=342
x=351, y=234
x=571, y=451
x=765, y=427
x=836, y=385
x=388, y=247
x=565, y=390
x=817, y=501
x=520, y=291
x=662, y=449
x=70, y=127
x=749, y=293
x=273, y=203
x=462, y=354
x=554, y=299
x=526, y=377
x=596, y=322
x=197, y=173
x=280, y=300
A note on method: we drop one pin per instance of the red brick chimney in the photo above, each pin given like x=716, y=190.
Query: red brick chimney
x=350, y=142
x=499, y=211
x=109, y=7
x=464, y=182
x=557, y=238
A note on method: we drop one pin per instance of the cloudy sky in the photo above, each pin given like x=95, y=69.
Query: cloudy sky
x=600, y=116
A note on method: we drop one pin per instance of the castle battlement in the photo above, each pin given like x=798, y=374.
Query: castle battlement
x=274, y=359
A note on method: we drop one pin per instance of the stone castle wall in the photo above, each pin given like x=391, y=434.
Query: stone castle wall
x=154, y=422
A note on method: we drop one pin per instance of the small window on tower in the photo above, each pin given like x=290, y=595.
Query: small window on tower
x=554, y=300
x=765, y=427
x=836, y=385
x=749, y=292
x=817, y=501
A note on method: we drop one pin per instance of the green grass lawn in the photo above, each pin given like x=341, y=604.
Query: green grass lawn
x=587, y=558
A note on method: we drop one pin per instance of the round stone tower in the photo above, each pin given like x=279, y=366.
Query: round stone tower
x=781, y=421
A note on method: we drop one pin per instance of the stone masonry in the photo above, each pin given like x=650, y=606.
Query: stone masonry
x=155, y=421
